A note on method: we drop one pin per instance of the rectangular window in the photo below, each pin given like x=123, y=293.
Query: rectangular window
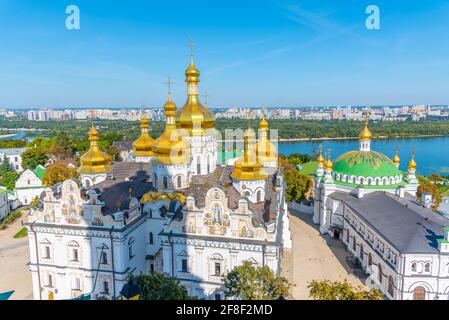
x=152, y=268
x=217, y=296
x=184, y=265
x=151, y=237
x=77, y=284
x=217, y=268
x=75, y=255
x=50, y=280
x=105, y=287
x=104, y=258
x=47, y=252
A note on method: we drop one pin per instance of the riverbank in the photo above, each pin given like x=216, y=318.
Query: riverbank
x=356, y=138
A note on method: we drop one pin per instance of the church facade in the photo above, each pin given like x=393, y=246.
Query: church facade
x=364, y=199
x=173, y=209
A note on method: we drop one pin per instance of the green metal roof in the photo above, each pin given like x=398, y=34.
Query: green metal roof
x=39, y=172
x=309, y=168
x=365, y=164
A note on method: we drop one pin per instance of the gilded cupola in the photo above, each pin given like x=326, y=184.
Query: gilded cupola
x=266, y=151
x=328, y=164
x=320, y=158
x=94, y=161
x=412, y=164
x=193, y=116
x=142, y=147
x=365, y=134
x=396, y=159
x=170, y=148
x=247, y=167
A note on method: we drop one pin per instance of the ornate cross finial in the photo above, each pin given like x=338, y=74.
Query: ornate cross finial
x=191, y=45
x=413, y=152
x=321, y=148
x=206, y=96
x=328, y=153
x=169, y=83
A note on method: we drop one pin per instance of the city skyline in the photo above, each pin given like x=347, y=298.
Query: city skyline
x=271, y=53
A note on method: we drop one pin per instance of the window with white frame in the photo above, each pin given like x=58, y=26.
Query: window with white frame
x=74, y=251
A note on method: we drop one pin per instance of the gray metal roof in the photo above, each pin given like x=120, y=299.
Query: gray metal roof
x=409, y=227
x=12, y=151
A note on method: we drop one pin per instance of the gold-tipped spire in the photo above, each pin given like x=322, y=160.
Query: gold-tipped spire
x=170, y=148
x=142, y=147
x=247, y=167
x=321, y=160
x=365, y=134
x=412, y=164
x=193, y=116
x=396, y=159
x=266, y=151
x=94, y=161
x=328, y=165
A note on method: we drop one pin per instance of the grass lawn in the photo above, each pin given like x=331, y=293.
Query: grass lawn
x=22, y=233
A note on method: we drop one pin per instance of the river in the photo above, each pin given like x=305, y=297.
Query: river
x=431, y=154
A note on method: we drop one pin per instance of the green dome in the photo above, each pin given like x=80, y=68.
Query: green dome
x=365, y=164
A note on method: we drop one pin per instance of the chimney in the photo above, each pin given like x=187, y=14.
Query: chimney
x=426, y=199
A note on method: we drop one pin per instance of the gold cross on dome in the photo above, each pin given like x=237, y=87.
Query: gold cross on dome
x=206, y=96
x=191, y=45
x=169, y=83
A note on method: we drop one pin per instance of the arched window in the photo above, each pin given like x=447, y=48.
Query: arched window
x=198, y=165
x=258, y=196
x=155, y=180
x=74, y=251
x=361, y=252
x=130, y=248
x=419, y=293
x=165, y=183
x=370, y=259
x=87, y=183
x=151, y=237
x=414, y=267
x=179, y=181
x=427, y=267
x=217, y=213
x=354, y=244
x=390, y=286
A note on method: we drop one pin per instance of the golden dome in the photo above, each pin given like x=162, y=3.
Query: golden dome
x=320, y=158
x=94, y=160
x=143, y=145
x=412, y=164
x=328, y=165
x=366, y=133
x=170, y=148
x=193, y=116
x=266, y=151
x=247, y=167
x=396, y=159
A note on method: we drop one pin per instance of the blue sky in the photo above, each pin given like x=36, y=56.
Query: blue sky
x=267, y=52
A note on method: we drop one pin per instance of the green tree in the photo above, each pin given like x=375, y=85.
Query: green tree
x=297, y=185
x=35, y=202
x=250, y=283
x=5, y=167
x=428, y=187
x=9, y=180
x=158, y=286
x=114, y=153
x=33, y=157
x=326, y=290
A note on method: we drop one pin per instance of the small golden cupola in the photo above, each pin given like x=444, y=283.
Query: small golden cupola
x=365, y=134
x=396, y=159
x=247, y=167
x=265, y=150
x=328, y=165
x=170, y=148
x=94, y=161
x=412, y=164
x=320, y=158
x=142, y=147
x=193, y=116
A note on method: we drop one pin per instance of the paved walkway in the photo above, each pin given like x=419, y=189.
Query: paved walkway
x=14, y=256
x=314, y=257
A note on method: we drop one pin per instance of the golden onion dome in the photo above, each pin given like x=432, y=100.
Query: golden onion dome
x=247, y=167
x=412, y=164
x=396, y=159
x=170, y=148
x=321, y=160
x=266, y=151
x=143, y=145
x=365, y=134
x=328, y=165
x=193, y=116
x=94, y=161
